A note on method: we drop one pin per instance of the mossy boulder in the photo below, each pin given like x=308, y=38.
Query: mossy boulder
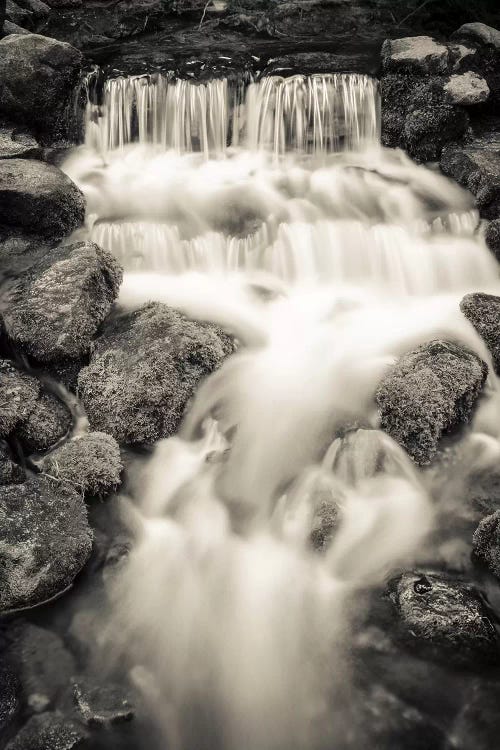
x=486, y=542
x=483, y=311
x=19, y=393
x=420, y=54
x=48, y=423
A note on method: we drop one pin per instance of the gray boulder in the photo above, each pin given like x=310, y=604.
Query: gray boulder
x=38, y=198
x=45, y=540
x=39, y=77
x=415, y=53
x=429, y=391
x=146, y=366
x=56, y=307
x=48, y=731
x=486, y=542
x=483, y=311
x=466, y=89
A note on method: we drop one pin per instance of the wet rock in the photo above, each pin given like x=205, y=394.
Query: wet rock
x=429, y=391
x=446, y=617
x=428, y=129
x=38, y=198
x=486, y=542
x=48, y=731
x=478, y=723
x=91, y=463
x=49, y=421
x=102, y=705
x=10, y=472
x=9, y=701
x=42, y=663
x=19, y=393
x=326, y=521
x=417, y=53
x=483, y=311
x=38, y=80
x=15, y=143
x=492, y=237
x=45, y=540
x=146, y=366
x=479, y=34
x=467, y=89
x=56, y=307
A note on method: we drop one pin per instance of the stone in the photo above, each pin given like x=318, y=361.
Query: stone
x=13, y=28
x=18, y=15
x=467, y=89
x=91, y=463
x=479, y=34
x=445, y=617
x=492, y=237
x=37, y=8
x=19, y=393
x=48, y=731
x=15, y=143
x=427, y=129
x=477, y=724
x=56, y=307
x=417, y=53
x=10, y=472
x=486, y=542
x=9, y=698
x=429, y=391
x=45, y=541
x=483, y=311
x=145, y=367
x=102, y=705
x=47, y=424
x=38, y=198
x=39, y=77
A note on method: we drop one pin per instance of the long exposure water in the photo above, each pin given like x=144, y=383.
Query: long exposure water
x=272, y=210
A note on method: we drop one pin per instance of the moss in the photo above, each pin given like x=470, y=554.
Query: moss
x=49, y=421
x=486, y=542
x=483, y=311
x=18, y=395
x=428, y=129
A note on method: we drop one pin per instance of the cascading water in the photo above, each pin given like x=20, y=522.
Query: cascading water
x=278, y=216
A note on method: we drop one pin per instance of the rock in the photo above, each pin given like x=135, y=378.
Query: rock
x=15, y=143
x=10, y=472
x=91, y=463
x=479, y=34
x=445, y=617
x=478, y=723
x=13, y=28
x=416, y=53
x=42, y=663
x=429, y=391
x=37, y=8
x=45, y=541
x=48, y=423
x=38, y=81
x=9, y=701
x=476, y=165
x=146, y=366
x=326, y=521
x=467, y=89
x=38, y=198
x=492, y=237
x=18, y=395
x=48, y=731
x=428, y=129
x=486, y=542
x=65, y=3
x=102, y=705
x=483, y=311
x=55, y=309
x=18, y=15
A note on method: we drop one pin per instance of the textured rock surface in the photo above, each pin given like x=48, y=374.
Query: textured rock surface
x=49, y=421
x=492, y=237
x=38, y=80
x=429, y=391
x=44, y=541
x=39, y=198
x=426, y=130
x=19, y=393
x=102, y=705
x=146, y=366
x=91, y=463
x=417, y=53
x=483, y=311
x=56, y=307
x=15, y=143
x=466, y=89
x=10, y=472
x=486, y=542
x=48, y=731
x=480, y=34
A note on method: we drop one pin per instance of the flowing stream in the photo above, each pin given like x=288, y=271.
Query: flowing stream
x=271, y=209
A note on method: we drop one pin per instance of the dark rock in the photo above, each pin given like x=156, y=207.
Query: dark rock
x=308, y=63
x=38, y=80
x=49, y=421
x=466, y=89
x=18, y=15
x=38, y=198
x=447, y=617
x=19, y=393
x=37, y=8
x=48, y=731
x=91, y=463
x=10, y=472
x=9, y=701
x=15, y=143
x=429, y=391
x=428, y=129
x=492, y=237
x=479, y=34
x=56, y=307
x=146, y=366
x=486, y=542
x=483, y=311
x=478, y=723
x=420, y=54
x=102, y=705
x=45, y=541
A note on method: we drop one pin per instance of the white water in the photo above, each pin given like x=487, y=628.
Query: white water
x=328, y=257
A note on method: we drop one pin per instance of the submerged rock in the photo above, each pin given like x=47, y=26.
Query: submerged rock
x=467, y=89
x=483, y=311
x=38, y=198
x=102, y=705
x=45, y=540
x=415, y=53
x=91, y=463
x=445, y=616
x=38, y=80
x=48, y=731
x=429, y=391
x=49, y=421
x=486, y=542
x=146, y=366
x=56, y=307
x=19, y=393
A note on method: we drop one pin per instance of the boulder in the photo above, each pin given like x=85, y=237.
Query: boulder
x=146, y=366
x=9, y=699
x=427, y=129
x=102, y=705
x=39, y=78
x=17, y=14
x=38, y=198
x=45, y=540
x=48, y=731
x=420, y=54
x=492, y=237
x=479, y=34
x=19, y=393
x=15, y=143
x=483, y=311
x=429, y=391
x=56, y=307
x=444, y=617
x=48, y=423
x=477, y=724
x=486, y=542
x=10, y=472
x=13, y=28
x=91, y=463
x=466, y=89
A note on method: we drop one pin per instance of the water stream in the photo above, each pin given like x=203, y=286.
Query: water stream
x=271, y=209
